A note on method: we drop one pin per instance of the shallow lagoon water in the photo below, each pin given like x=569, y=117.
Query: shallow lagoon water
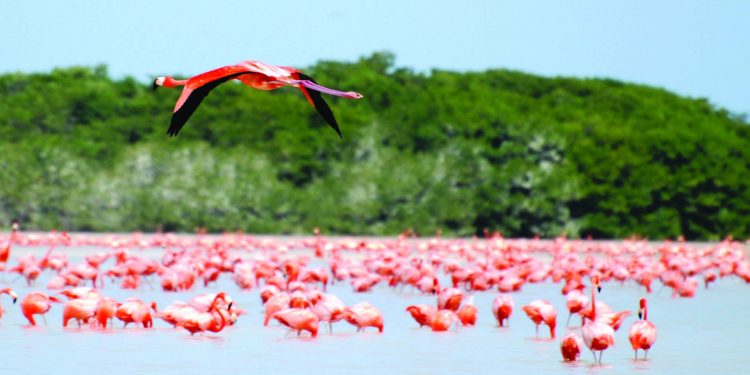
x=700, y=335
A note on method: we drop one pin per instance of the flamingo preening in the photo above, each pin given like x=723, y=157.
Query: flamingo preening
x=255, y=74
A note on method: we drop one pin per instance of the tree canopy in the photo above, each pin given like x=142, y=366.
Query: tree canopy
x=455, y=151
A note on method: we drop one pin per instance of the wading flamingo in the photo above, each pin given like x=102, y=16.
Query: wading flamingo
x=423, y=314
x=467, y=313
x=643, y=333
x=502, y=308
x=597, y=335
x=570, y=347
x=36, y=303
x=542, y=312
x=443, y=320
x=80, y=309
x=255, y=74
x=364, y=315
x=135, y=311
x=298, y=320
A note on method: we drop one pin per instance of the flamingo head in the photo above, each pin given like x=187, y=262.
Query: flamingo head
x=595, y=281
x=641, y=307
x=159, y=81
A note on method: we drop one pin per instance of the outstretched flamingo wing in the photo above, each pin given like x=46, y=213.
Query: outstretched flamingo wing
x=320, y=105
x=190, y=99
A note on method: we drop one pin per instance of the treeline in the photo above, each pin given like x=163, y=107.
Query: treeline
x=453, y=151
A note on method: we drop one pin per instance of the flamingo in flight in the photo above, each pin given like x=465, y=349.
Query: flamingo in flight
x=255, y=74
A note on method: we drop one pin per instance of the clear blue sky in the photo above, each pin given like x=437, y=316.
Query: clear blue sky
x=695, y=48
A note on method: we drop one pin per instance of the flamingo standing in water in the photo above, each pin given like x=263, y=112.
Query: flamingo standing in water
x=542, y=312
x=643, y=333
x=423, y=314
x=597, y=335
x=364, y=315
x=255, y=74
x=298, y=320
x=502, y=308
x=570, y=347
x=36, y=303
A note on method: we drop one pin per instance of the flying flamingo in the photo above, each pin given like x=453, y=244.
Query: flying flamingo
x=36, y=303
x=12, y=294
x=255, y=74
x=643, y=333
x=597, y=335
x=542, y=312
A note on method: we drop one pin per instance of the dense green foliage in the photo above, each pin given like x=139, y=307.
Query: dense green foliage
x=456, y=151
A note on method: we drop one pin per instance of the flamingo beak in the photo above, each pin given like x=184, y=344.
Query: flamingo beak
x=15, y=299
x=640, y=314
x=599, y=288
x=154, y=85
x=229, y=308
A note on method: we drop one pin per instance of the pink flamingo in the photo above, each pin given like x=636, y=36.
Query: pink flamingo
x=36, y=303
x=328, y=308
x=542, y=312
x=643, y=333
x=502, y=308
x=575, y=300
x=570, y=347
x=450, y=299
x=135, y=311
x=597, y=335
x=364, y=315
x=299, y=320
x=423, y=314
x=255, y=74
x=443, y=320
x=467, y=313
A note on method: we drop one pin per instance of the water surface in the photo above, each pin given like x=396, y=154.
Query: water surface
x=701, y=335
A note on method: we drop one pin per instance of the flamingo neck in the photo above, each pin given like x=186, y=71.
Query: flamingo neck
x=223, y=321
x=593, y=301
x=171, y=82
x=645, y=312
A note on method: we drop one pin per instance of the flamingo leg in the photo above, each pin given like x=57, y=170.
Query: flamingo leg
x=636, y=354
x=594, y=354
x=314, y=86
x=568, y=322
x=645, y=356
x=537, y=330
x=600, y=356
x=44, y=319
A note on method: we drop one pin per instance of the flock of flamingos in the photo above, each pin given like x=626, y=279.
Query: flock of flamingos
x=294, y=291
